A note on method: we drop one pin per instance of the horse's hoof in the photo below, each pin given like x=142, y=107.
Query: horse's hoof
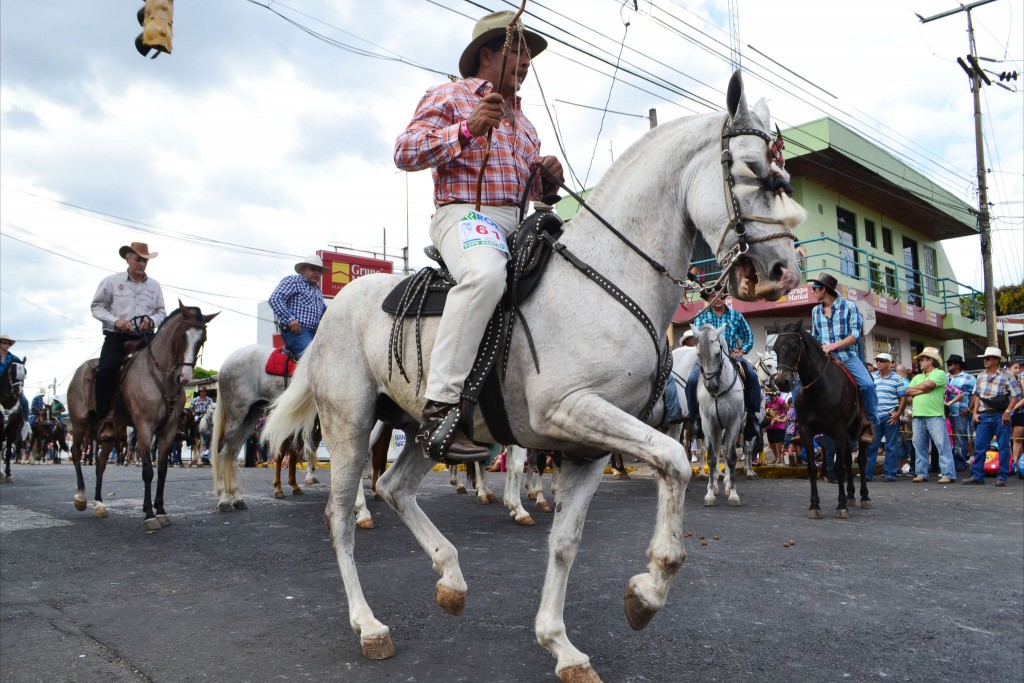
x=151, y=524
x=278, y=494
x=542, y=506
x=491, y=498
x=579, y=673
x=8, y=478
x=709, y=502
x=240, y=505
x=80, y=505
x=638, y=612
x=735, y=502
x=312, y=480
x=865, y=505
x=751, y=475
x=378, y=647
x=531, y=496
x=814, y=514
x=365, y=524
x=377, y=496
x=842, y=514
x=164, y=520
x=460, y=489
x=224, y=506
x=297, y=492
x=450, y=600
x=524, y=521
x=100, y=511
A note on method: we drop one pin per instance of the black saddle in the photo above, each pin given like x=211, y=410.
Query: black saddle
x=424, y=294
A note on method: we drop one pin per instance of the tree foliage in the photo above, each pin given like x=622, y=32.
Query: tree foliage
x=202, y=373
x=1010, y=300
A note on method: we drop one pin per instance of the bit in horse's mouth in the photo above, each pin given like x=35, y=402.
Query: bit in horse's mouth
x=746, y=278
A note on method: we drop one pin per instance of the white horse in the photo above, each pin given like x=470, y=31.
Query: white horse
x=720, y=396
x=244, y=389
x=659, y=194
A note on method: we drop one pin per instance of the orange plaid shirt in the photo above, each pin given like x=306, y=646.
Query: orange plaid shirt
x=432, y=141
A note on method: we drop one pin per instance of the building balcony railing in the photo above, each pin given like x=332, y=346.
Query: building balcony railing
x=870, y=271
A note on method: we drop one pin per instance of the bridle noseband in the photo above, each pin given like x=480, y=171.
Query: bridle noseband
x=799, y=356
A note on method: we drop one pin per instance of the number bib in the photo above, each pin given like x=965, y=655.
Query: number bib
x=477, y=230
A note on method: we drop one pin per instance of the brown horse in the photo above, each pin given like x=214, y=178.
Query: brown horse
x=150, y=399
x=11, y=384
x=45, y=430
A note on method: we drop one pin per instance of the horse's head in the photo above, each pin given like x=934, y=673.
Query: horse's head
x=14, y=377
x=190, y=325
x=766, y=369
x=788, y=348
x=710, y=353
x=756, y=208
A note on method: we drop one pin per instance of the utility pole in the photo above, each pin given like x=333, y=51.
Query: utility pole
x=976, y=74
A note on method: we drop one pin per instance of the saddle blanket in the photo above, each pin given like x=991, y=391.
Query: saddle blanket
x=280, y=364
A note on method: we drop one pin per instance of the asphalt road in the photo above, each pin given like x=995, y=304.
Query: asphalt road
x=926, y=586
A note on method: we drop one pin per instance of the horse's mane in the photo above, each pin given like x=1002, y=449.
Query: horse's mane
x=194, y=310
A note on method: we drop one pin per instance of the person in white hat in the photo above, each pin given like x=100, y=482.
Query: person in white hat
x=688, y=339
x=927, y=391
x=996, y=395
x=128, y=304
x=891, y=390
x=38, y=407
x=298, y=304
x=6, y=358
x=448, y=135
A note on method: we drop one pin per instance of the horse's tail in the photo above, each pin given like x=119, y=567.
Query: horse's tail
x=292, y=414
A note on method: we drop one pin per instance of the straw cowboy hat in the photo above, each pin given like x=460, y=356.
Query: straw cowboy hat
x=829, y=283
x=4, y=337
x=487, y=29
x=994, y=352
x=140, y=248
x=930, y=352
x=313, y=260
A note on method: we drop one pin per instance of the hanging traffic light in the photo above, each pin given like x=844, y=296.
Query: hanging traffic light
x=156, y=18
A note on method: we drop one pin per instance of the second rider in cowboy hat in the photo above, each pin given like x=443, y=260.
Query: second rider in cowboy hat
x=447, y=134
x=127, y=304
x=298, y=304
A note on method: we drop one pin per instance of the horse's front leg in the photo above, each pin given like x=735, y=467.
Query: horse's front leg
x=145, y=453
x=398, y=487
x=541, y=466
x=76, y=460
x=311, y=477
x=278, y=493
x=163, y=451
x=515, y=460
x=453, y=479
x=807, y=443
x=712, y=460
x=730, y=467
x=293, y=462
x=102, y=450
x=364, y=520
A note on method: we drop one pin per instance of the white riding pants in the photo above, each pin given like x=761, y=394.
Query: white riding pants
x=480, y=274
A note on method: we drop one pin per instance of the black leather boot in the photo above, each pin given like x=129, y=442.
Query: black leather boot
x=441, y=437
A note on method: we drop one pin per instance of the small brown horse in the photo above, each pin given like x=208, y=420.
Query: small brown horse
x=11, y=384
x=150, y=398
x=827, y=402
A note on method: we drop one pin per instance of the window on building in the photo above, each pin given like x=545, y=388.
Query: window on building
x=704, y=258
x=875, y=277
x=931, y=271
x=886, y=240
x=889, y=345
x=846, y=224
x=890, y=282
x=869, y=233
x=912, y=273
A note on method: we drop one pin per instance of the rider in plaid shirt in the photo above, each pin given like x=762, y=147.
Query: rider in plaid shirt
x=447, y=134
x=298, y=304
x=738, y=340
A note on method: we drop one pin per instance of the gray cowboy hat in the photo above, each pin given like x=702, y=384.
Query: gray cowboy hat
x=487, y=29
x=312, y=260
x=139, y=248
x=828, y=282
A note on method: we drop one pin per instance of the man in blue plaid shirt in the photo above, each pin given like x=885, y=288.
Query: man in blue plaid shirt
x=837, y=324
x=298, y=304
x=739, y=340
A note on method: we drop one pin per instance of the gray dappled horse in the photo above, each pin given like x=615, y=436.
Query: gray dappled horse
x=669, y=186
x=152, y=397
x=720, y=397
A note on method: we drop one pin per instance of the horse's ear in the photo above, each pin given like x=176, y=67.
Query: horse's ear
x=208, y=318
x=736, y=101
x=181, y=306
x=721, y=329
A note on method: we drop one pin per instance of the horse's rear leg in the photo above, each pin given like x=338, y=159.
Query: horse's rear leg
x=278, y=493
x=844, y=470
x=293, y=462
x=862, y=463
x=453, y=479
x=398, y=487
x=346, y=475
x=484, y=495
x=578, y=485
x=76, y=460
x=311, y=477
x=364, y=520
x=103, y=453
x=515, y=459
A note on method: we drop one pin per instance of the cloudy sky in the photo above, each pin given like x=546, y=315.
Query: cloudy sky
x=268, y=133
